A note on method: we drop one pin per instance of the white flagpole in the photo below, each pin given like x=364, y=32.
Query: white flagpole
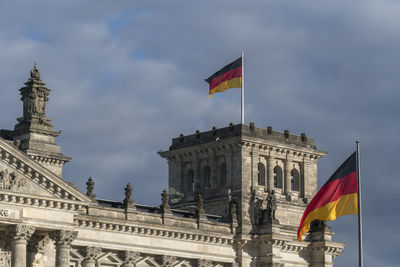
x=242, y=113
x=360, y=239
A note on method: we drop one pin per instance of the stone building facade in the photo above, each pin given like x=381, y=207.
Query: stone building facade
x=235, y=198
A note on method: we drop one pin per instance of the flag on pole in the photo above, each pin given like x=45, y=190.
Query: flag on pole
x=337, y=197
x=229, y=76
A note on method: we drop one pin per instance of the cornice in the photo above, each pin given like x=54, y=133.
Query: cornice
x=7, y=197
x=151, y=231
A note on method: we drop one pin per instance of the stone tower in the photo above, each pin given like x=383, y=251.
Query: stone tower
x=34, y=134
x=260, y=179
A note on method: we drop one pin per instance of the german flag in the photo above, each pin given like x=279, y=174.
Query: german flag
x=337, y=197
x=229, y=76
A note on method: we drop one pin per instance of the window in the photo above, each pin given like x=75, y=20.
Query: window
x=261, y=174
x=206, y=175
x=222, y=174
x=295, y=180
x=189, y=181
x=277, y=177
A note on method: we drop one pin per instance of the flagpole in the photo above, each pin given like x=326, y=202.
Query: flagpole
x=360, y=239
x=242, y=113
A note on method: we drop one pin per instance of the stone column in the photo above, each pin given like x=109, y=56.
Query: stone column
x=20, y=234
x=130, y=257
x=91, y=254
x=288, y=188
x=63, y=239
x=270, y=174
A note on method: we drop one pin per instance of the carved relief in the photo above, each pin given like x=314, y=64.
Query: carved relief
x=11, y=181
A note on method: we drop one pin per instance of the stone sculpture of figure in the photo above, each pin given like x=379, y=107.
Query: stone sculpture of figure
x=233, y=210
x=39, y=105
x=35, y=73
x=271, y=204
x=30, y=103
x=5, y=181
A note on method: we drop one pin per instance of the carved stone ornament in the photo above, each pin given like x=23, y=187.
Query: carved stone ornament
x=90, y=188
x=11, y=181
x=204, y=263
x=130, y=257
x=38, y=243
x=5, y=258
x=21, y=232
x=64, y=237
x=168, y=261
x=91, y=254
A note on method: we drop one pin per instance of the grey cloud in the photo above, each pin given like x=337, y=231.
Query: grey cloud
x=128, y=77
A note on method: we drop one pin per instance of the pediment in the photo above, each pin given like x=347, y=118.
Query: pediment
x=147, y=262
x=19, y=174
x=11, y=180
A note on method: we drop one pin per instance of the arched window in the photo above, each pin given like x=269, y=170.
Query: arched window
x=206, y=175
x=277, y=177
x=295, y=180
x=261, y=174
x=189, y=181
x=222, y=174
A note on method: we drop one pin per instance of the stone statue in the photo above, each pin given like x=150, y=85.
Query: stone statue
x=35, y=73
x=271, y=204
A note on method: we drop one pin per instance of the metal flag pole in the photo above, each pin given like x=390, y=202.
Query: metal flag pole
x=242, y=113
x=360, y=246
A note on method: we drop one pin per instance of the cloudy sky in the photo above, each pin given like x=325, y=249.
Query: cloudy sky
x=127, y=76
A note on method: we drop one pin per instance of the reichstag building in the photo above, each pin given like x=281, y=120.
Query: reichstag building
x=235, y=198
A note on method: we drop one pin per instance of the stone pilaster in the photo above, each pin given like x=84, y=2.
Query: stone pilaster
x=91, y=255
x=20, y=235
x=287, y=184
x=270, y=174
x=63, y=239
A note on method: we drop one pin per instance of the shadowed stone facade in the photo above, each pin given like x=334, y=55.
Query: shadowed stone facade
x=235, y=198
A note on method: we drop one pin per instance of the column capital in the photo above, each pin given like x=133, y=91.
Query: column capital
x=91, y=254
x=64, y=237
x=21, y=232
x=130, y=257
x=38, y=243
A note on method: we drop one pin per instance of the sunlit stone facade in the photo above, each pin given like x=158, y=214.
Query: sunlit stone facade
x=235, y=198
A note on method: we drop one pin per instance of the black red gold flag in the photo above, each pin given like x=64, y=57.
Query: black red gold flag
x=229, y=76
x=337, y=197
